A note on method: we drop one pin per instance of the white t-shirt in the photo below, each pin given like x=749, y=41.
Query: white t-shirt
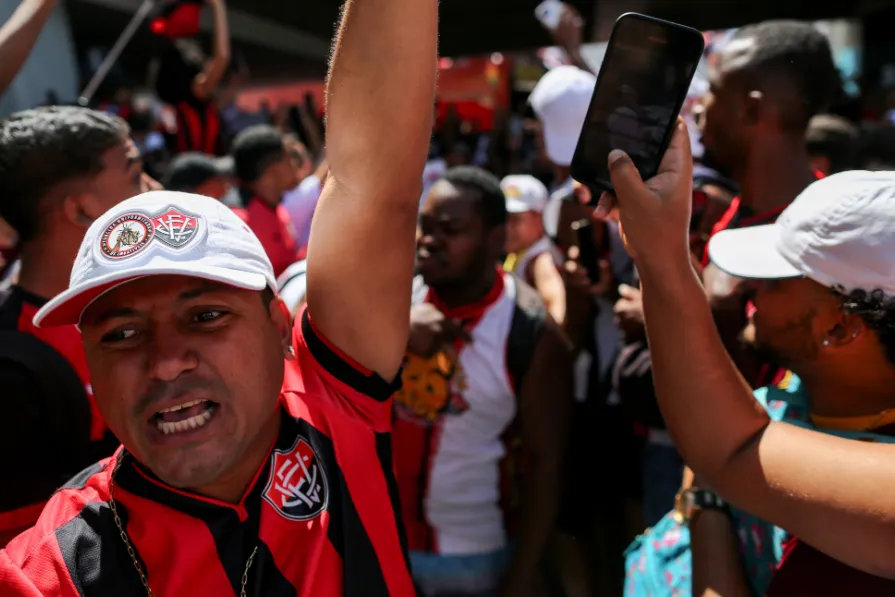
x=292, y=284
x=301, y=202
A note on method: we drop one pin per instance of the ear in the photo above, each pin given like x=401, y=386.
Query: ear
x=753, y=107
x=282, y=321
x=845, y=330
x=77, y=210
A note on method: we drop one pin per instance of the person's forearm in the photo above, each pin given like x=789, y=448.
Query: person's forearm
x=221, y=34
x=379, y=98
x=708, y=407
x=717, y=566
x=18, y=35
x=206, y=83
x=540, y=506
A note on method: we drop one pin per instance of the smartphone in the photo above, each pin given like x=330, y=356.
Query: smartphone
x=642, y=84
x=549, y=13
x=588, y=253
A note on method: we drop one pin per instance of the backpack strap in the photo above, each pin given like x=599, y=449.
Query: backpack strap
x=529, y=319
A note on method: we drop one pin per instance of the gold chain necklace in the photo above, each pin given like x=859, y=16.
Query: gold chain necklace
x=133, y=553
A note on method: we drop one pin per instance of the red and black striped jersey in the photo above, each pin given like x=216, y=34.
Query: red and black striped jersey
x=321, y=509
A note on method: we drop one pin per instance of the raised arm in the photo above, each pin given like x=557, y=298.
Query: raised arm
x=206, y=82
x=834, y=494
x=379, y=120
x=19, y=34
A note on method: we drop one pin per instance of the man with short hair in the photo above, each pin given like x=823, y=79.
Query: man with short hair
x=256, y=455
x=532, y=255
x=265, y=170
x=487, y=381
x=199, y=173
x=60, y=169
x=770, y=80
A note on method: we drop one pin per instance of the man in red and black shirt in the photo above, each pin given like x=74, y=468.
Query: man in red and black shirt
x=265, y=169
x=60, y=169
x=256, y=457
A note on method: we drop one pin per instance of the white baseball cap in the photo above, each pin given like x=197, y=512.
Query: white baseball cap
x=839, y=232
x=524, y=193
x=560, y=100
x=157, y=233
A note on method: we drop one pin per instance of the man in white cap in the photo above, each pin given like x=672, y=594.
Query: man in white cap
x=256, y=455
x=825, y=279
x=560, y=101
x=532, y=255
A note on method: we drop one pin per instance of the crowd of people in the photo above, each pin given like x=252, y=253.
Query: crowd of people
x=362, y=360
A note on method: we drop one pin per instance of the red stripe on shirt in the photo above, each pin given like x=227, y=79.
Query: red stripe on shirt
x=196, y=571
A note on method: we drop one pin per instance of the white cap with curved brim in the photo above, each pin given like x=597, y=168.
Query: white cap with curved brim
x=160, y=233
x=524, y=193
x=839, y=232
x=560, y=100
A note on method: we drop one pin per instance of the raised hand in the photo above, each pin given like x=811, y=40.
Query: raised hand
x=654, y=215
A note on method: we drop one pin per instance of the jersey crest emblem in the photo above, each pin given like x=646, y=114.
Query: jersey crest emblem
x=297, y=487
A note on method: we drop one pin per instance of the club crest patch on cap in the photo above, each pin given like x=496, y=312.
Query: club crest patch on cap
x=297, y=486
x=126, y=235
x=175, y=228
x=131, y=233
x=512, y=192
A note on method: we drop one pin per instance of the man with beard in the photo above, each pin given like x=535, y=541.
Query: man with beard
x=486, y=397
x=824, y=307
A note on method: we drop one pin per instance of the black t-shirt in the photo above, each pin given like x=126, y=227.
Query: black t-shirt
x=49, y=428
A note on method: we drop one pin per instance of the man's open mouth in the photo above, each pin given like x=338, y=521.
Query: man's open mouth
x=184, y=417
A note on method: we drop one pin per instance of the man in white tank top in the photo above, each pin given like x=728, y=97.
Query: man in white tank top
x=487, y=373
x=532, y=255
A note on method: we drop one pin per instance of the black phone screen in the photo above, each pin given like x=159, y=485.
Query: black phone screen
x=641, y=86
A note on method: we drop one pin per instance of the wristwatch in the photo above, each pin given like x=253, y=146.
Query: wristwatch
x=690, y=501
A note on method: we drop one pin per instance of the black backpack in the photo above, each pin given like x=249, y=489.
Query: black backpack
x=529, y=318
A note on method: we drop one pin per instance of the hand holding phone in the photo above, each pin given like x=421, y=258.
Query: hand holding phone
x=642, y=84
